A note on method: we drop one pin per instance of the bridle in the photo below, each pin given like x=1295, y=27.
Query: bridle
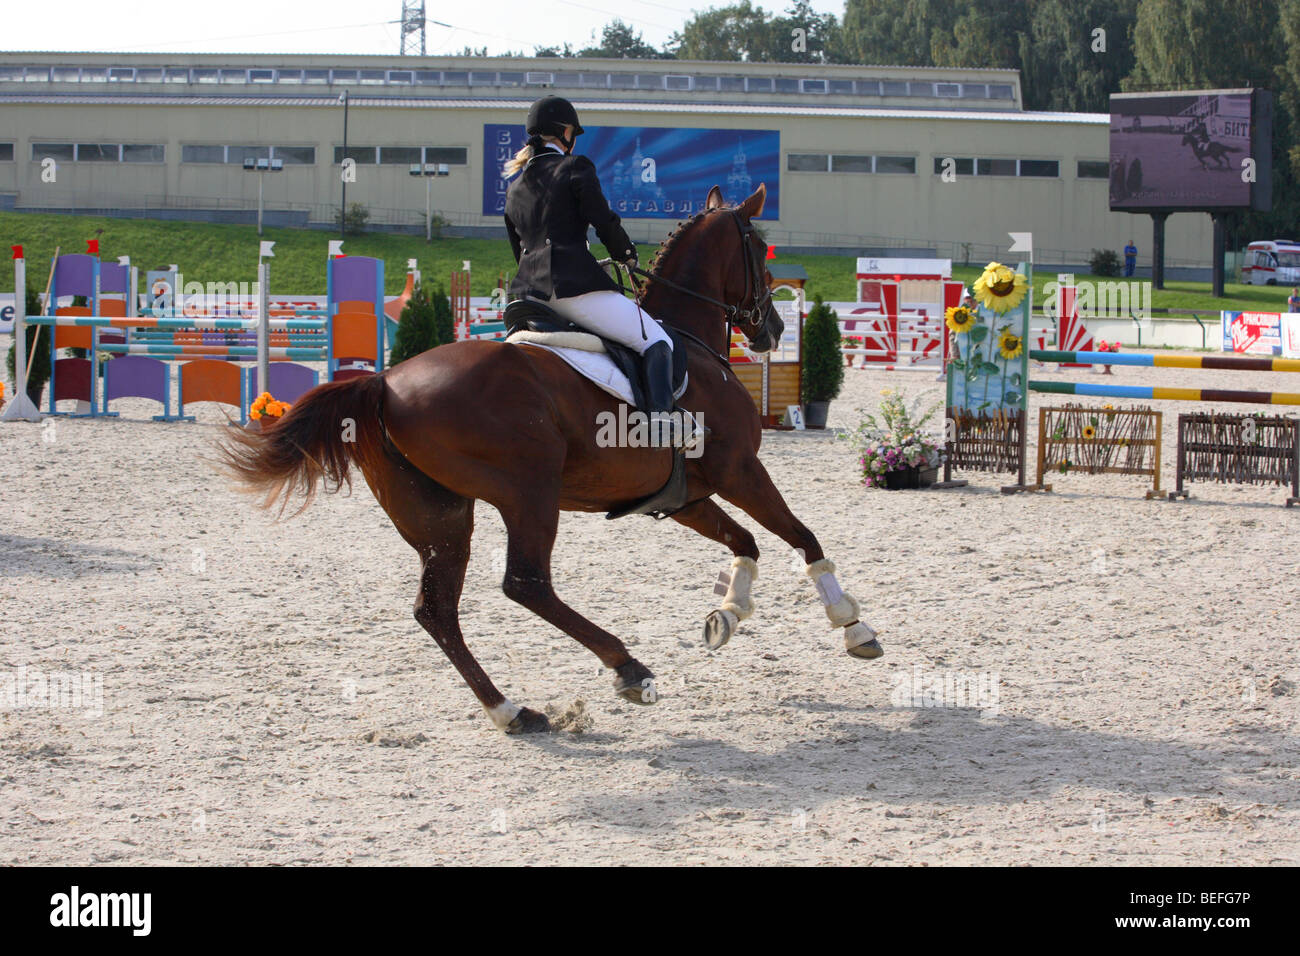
x=756, y=289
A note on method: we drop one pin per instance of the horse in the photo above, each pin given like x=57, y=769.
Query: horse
x=1215, y=151
x=522, y=439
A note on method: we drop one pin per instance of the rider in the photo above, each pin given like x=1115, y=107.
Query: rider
x=548, y=209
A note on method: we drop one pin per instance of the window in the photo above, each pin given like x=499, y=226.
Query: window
x=947, y=89
x=1040, y=167
x=11, y=74
x=372, y=77
x=960, y=166
x=868, y=87
x=295, y=155
x=731, y=84
x=995, y=167
x=758, y=84
x=534, y=78
x=63, y=152
x=482, y=78
x=896, y=164
x=841, y=87
x=343, y=76
x=851, y=164
x=315, y=76
x=6, y=152
x=203, y=154
x=784, y=85
x=288, y=76
x=812, y=86
x=237, y=154
x=149, y=74
x=709, y=83
x=36, y=74
x=974, y=91
x=451, y=155
x=398, y=155
x=920, y=89
x=1000, y=91
x=807, y=162
x=136, y=153
x=893, y=88
x=65, y=74
x=121, y=74
x=94, y=74
x=649, y=81
x=361, y=155
x=621, y=81
x=203, y=76
x=455, y=77
x=677, y=82
x=261, y=76
x=1092, y=169
x=234, y=76
x=177, y=75
x=428, y=77
x=98, y=152
x=576, y=80
x=510, y=79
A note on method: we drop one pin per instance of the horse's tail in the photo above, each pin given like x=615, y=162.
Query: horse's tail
x=329, y=429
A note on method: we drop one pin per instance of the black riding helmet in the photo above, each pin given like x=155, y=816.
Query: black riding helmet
x=548, y=117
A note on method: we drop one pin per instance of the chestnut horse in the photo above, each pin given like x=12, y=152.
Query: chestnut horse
x=514, y=426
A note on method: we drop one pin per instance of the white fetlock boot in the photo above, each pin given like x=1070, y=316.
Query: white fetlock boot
x=843, y=611
x=737, y=604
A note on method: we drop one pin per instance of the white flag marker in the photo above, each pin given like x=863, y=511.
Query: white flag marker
x=336, y=248
x=1022, y=242
x=264, y=250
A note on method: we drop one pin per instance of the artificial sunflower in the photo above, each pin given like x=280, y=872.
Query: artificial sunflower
x=1089, y=433
x=999, y=288
x=1010, y=345
x=960, y=319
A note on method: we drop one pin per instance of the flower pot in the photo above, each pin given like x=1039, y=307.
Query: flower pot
x=906, y=478
x=814, y=414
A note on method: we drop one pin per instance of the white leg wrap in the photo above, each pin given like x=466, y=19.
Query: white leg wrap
x=503, y=713
x=737, y=600
x=841, y=608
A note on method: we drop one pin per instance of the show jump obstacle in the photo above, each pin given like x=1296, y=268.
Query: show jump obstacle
x=987, y=403
x=204, y=351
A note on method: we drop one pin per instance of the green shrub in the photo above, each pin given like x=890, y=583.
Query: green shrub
x=426, y=322
x=354, y=222
x=823, y=362
x=1104, y=262
x=40, y=365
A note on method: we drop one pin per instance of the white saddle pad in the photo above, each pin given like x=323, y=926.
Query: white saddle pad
x=585, y=354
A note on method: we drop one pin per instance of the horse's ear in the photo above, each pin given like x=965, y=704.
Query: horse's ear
x=752, y=207
x=715, y=199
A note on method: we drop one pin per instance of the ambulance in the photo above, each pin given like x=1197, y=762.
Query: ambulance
x=1275, y=262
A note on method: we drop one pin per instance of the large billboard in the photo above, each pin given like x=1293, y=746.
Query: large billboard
x=1205, y=150
x=650, y=172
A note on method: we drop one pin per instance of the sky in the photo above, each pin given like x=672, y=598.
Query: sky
x=340, y=26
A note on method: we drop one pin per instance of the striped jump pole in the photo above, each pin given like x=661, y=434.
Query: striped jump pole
x=1149, y=392
x=200, y=324
x=218, y=351
x=1238, y=363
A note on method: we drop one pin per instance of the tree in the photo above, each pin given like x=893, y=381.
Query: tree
x=893, y=32
x=426, y=322
x=738, y=32
x=1076, y=53
x=818, y=35
x=619, y=41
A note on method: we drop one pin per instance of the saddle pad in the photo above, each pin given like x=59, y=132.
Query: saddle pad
x=586, y=355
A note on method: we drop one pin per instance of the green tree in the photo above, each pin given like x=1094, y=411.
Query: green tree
x=1066, y=64
x=893, y=32
x=823, y=362
x=619, y=41
x=738, y=32
x=426, y=322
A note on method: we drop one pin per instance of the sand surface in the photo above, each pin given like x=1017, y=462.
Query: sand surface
x=267, y=696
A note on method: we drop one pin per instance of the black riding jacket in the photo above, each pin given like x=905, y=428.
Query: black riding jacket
x=548, y=209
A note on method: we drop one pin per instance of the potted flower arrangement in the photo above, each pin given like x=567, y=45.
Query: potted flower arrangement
x=265, y=411
x=892, y=452
x=1104, y=346
x=853, y=342
x=823, y=368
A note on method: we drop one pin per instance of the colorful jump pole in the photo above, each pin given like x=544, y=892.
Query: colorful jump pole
x=1150, y=392
x=20, y=407
x=1236, y=363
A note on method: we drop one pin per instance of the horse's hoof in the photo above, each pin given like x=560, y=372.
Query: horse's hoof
x=868, y=651
x=860, y=641
x=635, y=683
x=529, y=722
x=718, y=628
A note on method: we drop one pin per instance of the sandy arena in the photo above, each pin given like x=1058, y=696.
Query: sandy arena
x=268, y=698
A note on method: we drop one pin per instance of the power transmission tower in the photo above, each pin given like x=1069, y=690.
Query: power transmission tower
x=412, y=26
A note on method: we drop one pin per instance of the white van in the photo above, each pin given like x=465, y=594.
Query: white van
x=1275, y=262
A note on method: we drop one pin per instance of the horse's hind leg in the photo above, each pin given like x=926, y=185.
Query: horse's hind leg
x=707, y=518
x=531, y=533
x=438, y=524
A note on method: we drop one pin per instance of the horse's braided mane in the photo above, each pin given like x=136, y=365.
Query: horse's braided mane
x=667, y=246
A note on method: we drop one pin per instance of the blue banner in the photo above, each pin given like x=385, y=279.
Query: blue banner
x=649, y=172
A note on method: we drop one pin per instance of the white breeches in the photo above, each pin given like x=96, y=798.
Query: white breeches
x=615, y=317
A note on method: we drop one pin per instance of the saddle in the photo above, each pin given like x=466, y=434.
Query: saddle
x=529, y=317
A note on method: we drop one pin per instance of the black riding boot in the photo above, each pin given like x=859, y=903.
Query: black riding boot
x=657, y=362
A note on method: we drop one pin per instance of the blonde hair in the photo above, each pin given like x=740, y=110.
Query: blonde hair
x=519, y=161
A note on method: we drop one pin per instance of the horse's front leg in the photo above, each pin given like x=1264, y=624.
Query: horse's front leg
x=706, y=517
x=751, y=489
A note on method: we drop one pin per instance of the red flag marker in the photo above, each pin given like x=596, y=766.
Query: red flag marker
x=18, y=251
x=92, y=247
x=771, y=252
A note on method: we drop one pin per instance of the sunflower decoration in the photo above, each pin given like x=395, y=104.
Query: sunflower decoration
x=1010, y=345
x=1089, y=433
x=999, y=288
x=960, y=319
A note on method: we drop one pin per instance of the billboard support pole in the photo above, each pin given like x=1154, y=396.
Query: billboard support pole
x=1158, y=249
x=1220, y=248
